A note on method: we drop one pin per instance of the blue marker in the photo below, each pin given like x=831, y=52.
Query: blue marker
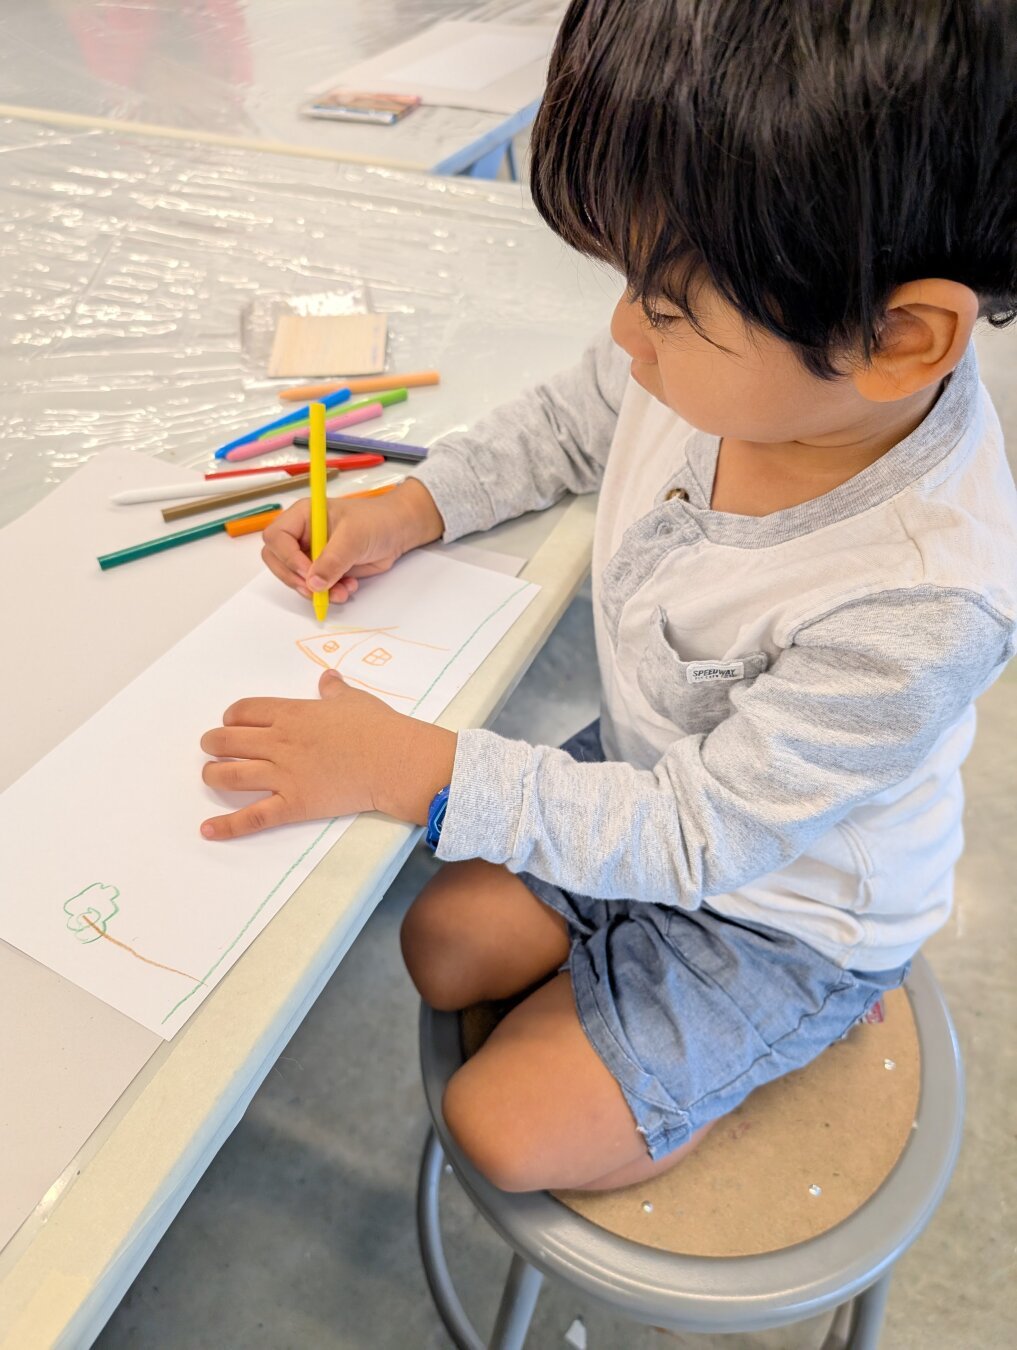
x=340, y=396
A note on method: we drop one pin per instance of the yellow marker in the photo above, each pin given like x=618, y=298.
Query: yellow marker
x=319, y=501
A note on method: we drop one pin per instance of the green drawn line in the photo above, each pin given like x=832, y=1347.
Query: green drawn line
x=296, y=863
x=317, y=840
x=459, y=650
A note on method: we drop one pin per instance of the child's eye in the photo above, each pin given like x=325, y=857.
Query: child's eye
x=661, y=319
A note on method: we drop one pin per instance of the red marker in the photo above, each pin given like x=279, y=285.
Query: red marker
x=339, y=462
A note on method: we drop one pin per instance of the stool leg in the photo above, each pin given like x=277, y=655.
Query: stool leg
x=868, y=1315
x=517, y=1305
x=857, y=1323
x=432, y=1252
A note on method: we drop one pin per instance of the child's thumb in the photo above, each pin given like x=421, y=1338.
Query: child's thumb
x=331, y=684
x=337, y=557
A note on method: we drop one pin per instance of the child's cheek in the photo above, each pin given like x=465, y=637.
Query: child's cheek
x=702, y=406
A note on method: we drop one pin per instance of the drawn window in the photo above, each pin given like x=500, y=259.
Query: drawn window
x=377, y=656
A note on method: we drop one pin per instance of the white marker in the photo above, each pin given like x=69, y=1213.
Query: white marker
x=199, y=488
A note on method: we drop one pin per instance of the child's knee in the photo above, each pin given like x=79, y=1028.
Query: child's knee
x=431, y=953
x=488, y=1137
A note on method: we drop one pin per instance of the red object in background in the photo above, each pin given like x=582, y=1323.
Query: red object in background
x=119, y=43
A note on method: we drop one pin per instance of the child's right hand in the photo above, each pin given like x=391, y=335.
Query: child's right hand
x=365, y=536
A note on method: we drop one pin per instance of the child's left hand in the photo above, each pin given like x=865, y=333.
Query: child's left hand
x=347, y=752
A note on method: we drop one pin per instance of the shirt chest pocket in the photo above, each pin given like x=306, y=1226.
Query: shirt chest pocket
x=694, y=695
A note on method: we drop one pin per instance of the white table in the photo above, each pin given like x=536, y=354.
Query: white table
x=236, y=71
x=123, y=285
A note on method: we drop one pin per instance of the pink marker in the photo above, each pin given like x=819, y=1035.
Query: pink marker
x=265, y=447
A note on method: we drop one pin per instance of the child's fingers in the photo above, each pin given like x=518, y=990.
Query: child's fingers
x=238, y=775
x=260, y=815
x=371, y=569
x=238, y=742
x=352, y=550
x=287, y=536
x=252, y=712
x=344, y=550
x=285, y=574
x=342, y=590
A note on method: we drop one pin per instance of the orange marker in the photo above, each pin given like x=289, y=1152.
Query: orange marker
x=366, y=384
x=251, y=524
x=370, y=492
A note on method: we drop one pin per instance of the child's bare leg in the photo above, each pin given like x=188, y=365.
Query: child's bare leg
x=646, y=1169
x=536, y=1109
x=476, y=932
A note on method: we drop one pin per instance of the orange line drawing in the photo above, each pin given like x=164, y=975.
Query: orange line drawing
x=409, y=665
x=147, y=959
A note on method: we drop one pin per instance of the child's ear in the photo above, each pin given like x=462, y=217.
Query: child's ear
x=928, y=325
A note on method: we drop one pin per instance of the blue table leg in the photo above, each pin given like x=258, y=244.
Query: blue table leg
x=483, y=157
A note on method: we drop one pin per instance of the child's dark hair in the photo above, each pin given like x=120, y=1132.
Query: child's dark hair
x=805, y=156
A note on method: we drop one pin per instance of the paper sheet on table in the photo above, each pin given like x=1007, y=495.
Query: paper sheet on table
x=107, y=880
x=139, y=611
x=492, y=67
x=506, y=563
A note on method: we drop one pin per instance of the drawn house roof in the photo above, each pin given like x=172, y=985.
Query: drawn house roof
x=378, y=659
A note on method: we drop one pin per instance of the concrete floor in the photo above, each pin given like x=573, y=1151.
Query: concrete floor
x=302, y=1232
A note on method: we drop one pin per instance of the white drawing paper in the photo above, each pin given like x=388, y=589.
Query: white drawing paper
x=107, y=879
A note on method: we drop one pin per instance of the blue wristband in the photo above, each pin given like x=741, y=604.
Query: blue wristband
x=436, y=818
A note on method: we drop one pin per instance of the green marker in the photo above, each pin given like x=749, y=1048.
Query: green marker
x=386, y=398
x=125, y=555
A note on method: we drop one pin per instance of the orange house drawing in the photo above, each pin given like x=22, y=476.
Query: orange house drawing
x=377, y=659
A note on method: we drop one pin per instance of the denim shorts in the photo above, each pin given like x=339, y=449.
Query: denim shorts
x=690, y=1011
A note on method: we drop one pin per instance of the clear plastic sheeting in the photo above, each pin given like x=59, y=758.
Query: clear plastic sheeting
x=235, y=67
x=129, y=268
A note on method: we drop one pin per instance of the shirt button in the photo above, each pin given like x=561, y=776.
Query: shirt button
x=676, y=495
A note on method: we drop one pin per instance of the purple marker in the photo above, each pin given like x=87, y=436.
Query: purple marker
x=412, y=454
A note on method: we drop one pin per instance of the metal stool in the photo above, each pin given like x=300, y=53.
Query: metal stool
x=847, y=1267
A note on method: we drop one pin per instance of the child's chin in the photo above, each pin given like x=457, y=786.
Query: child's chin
x=646, y=377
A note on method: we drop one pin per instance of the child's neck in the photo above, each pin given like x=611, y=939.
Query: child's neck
x=755, y=478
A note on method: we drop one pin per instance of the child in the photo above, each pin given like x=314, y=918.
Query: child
x=805, y=571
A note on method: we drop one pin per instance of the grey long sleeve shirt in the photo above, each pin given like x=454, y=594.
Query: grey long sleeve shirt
x=787, y=699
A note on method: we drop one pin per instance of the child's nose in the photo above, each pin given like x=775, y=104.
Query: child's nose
x=628, y=328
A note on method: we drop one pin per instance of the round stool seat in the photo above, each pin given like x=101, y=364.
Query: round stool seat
x=833, y=1220
x=798, y=1157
